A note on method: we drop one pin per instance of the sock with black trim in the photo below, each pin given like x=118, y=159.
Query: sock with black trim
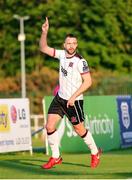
x=89, y=141
x=53, y=141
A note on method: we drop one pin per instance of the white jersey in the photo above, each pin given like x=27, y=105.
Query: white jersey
x=70, y=73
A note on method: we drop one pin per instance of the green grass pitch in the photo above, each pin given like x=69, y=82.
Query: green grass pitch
x=114, y=165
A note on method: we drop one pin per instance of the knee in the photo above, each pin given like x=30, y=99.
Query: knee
x=77, y=130
x=49, y=128
x=80, y=130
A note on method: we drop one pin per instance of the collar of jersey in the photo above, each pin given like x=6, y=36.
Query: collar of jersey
x=71, y=56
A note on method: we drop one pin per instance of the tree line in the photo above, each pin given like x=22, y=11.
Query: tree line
x=104, y=29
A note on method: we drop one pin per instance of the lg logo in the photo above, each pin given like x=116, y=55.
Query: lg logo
x=22, y=114
x=17, y=114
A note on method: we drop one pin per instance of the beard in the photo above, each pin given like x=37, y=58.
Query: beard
x=70, y=52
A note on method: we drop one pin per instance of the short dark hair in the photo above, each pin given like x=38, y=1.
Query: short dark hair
x=70, y=35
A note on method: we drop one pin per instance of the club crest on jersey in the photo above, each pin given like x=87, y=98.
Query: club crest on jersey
x=64, y=71
x=71, y=64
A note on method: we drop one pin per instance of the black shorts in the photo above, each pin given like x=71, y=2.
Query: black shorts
x=74, y=113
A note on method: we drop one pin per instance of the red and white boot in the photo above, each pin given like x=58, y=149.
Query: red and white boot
x=95, y=159
x=52, y=162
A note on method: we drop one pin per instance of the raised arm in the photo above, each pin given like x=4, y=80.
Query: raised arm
x=43, y=40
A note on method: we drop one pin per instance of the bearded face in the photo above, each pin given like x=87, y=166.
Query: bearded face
x=70, y=45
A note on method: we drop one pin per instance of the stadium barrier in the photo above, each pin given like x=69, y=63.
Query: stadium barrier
x=38, y=133
x=35, y=124
x=109, y=119
x=103, y=117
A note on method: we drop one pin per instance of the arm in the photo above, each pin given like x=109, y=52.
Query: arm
x=43, y=40
x=87, y=82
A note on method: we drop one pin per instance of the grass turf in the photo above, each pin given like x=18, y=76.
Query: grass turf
x=114, y=165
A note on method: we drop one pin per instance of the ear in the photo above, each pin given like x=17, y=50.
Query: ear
x=64, y=45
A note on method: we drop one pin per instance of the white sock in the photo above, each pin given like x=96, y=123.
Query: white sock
x=88, y=139
x=54, y=144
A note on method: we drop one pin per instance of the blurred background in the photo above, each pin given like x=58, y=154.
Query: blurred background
x=104, y=30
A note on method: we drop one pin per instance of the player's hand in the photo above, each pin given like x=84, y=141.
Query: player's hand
x=71, y=102
x=45, y=26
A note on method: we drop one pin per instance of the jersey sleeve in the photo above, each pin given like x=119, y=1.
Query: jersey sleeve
x=58, y=53
x=83, y=66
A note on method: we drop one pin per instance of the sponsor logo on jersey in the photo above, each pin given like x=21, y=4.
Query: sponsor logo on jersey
x=64, y=71
x=85, y=66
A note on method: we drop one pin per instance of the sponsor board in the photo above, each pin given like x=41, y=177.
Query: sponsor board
x=15, y=132
x=125, y=119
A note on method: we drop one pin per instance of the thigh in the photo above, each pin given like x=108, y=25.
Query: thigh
x=52, y=122
x=56, y=107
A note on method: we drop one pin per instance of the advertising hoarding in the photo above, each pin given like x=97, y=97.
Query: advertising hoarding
x=125, y=119
x=15, y=132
